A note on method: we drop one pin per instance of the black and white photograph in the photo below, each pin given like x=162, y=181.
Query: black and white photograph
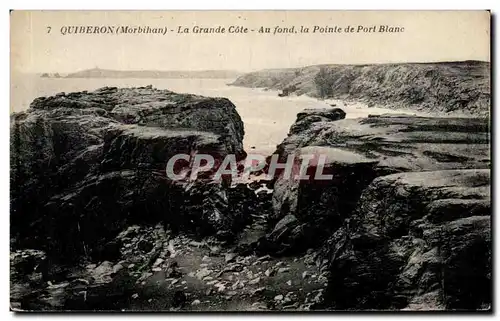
x=250, y=161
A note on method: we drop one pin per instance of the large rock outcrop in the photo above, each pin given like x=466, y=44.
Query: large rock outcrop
x=406, y=213
x=85, y=164
x=359, y=150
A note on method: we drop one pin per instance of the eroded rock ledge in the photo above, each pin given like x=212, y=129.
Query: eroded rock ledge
x=406, y=216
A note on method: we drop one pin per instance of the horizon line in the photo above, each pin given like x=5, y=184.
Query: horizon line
x=257, y=69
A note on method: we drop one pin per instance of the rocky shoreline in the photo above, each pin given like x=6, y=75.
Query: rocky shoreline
x=443, y=88
x=97, y=225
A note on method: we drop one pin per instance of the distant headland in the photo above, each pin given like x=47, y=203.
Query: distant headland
x=109, y=73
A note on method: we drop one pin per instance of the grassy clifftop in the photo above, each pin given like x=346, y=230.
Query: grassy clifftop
x=451, y=87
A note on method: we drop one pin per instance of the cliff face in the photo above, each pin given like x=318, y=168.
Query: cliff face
x=449, y=87
x=86, y=164
x=407, y=205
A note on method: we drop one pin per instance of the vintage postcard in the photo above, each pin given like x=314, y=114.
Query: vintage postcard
x=250, y=161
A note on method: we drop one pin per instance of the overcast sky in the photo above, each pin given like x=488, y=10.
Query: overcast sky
x=428, y=36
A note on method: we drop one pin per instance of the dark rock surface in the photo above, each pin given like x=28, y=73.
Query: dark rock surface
x=320, y=206
x=97, y=225
x=404, y=221
x=414, y=243
x=406, y=214
x=309, y=116
x=359, y=150
x=86, y=164
x=176, y=273
x=401, y=142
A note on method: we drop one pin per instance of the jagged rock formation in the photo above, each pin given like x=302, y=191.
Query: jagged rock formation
x=404, y=222
x=418, y=241
x=86, y=164
x=449, y=87
x=408, y=199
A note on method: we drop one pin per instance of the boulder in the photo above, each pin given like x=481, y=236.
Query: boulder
x=308, y=116
x=285, y=236
x=27, y=262
x=210, y=209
